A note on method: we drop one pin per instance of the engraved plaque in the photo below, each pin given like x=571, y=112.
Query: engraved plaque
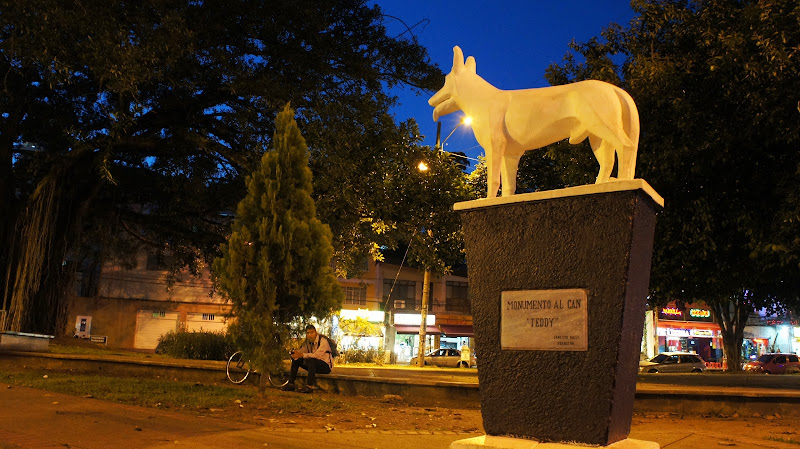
x=544, y=320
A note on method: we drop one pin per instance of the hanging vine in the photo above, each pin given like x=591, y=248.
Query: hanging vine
x=33, y=246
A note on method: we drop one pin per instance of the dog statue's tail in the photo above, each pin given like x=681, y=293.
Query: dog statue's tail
x=630, y=123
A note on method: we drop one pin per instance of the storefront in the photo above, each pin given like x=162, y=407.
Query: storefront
x=796, y=339
x=360, y=328
x=456, y=331
x=765, y=334
x=689, y=329
x=406, y=341
x=753, y=345
x=787, y=331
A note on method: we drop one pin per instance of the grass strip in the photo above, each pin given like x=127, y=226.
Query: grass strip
x=783, y=440
x=130, y=390
x=162, y=393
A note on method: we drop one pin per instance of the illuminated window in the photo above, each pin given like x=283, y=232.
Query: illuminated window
x=404, y=293
x=355, y=295
x=457, y=299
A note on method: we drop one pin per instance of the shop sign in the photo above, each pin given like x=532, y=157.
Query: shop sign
x=797, y=332
x=780, y=321
x=373, y=316
x=700, y=313
x=413, y=319
x=670, y=332
x=672, y=312
x=460, y=320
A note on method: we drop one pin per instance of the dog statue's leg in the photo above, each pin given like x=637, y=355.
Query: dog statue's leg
x=493, y=159
x=498, y=165
x=604, y=152
x=509, y=174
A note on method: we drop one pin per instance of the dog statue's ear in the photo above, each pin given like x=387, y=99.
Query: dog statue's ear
x=458, y=59
x=470, y=65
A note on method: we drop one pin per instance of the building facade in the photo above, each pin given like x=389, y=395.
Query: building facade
x=692, y=328
x=131, y=307
x=688, y=328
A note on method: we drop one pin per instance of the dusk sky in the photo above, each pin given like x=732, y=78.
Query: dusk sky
x=512, y=41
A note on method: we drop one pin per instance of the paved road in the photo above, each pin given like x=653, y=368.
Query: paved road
x=717, y=379
x=35, y=419
x=410, y=374
x=710, y=379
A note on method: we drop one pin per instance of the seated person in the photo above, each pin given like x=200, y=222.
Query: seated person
x=314, y=356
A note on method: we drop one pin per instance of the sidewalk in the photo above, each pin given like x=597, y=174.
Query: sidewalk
x=35, y=419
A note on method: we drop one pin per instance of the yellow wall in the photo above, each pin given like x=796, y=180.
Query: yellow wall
x=116, y=317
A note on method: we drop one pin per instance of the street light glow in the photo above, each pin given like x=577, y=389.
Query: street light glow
x=465, y=121
x=422, y=166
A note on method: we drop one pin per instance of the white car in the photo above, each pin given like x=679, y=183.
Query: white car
x=448, y=358
x=673, y=362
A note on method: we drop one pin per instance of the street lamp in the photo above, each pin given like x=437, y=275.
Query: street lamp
x=426, y=280
x=467, y=120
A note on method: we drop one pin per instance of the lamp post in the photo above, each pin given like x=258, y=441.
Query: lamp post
x=426, y=279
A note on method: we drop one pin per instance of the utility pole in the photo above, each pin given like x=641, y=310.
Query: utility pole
x=426, y=283
x=423, y=314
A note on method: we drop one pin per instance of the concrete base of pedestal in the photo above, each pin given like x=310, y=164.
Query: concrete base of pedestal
x=593, y=239
x=493, y=442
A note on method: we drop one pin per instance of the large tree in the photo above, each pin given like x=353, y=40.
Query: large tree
x=716, y=84
x=132, y=124
x=419, y=190
x=275, y=266
x=421, y=198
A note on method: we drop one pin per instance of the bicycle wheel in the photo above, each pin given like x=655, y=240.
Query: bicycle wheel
x=279, y=378
x=237, y=368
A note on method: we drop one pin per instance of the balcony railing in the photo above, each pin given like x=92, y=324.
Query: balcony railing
x=458, y=308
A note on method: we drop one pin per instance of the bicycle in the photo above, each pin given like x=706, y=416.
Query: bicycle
x=238, y=369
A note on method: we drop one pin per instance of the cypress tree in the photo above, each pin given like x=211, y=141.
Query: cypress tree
x=275, y=267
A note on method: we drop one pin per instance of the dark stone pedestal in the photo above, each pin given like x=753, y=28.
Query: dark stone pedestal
x=599, y=242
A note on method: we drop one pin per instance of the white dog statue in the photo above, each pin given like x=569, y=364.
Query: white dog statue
x=507, y=123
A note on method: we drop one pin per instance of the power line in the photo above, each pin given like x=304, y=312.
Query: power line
x=462, y=156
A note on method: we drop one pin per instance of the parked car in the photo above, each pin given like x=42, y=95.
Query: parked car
x=776, y=363
x=448, y=358
x=673, y=362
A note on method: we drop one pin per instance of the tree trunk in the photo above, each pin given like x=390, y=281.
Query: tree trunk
x=733, y=353
x=40, y=274
x=731, y=315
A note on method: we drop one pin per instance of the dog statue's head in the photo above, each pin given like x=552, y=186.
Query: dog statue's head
x=444, y=101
